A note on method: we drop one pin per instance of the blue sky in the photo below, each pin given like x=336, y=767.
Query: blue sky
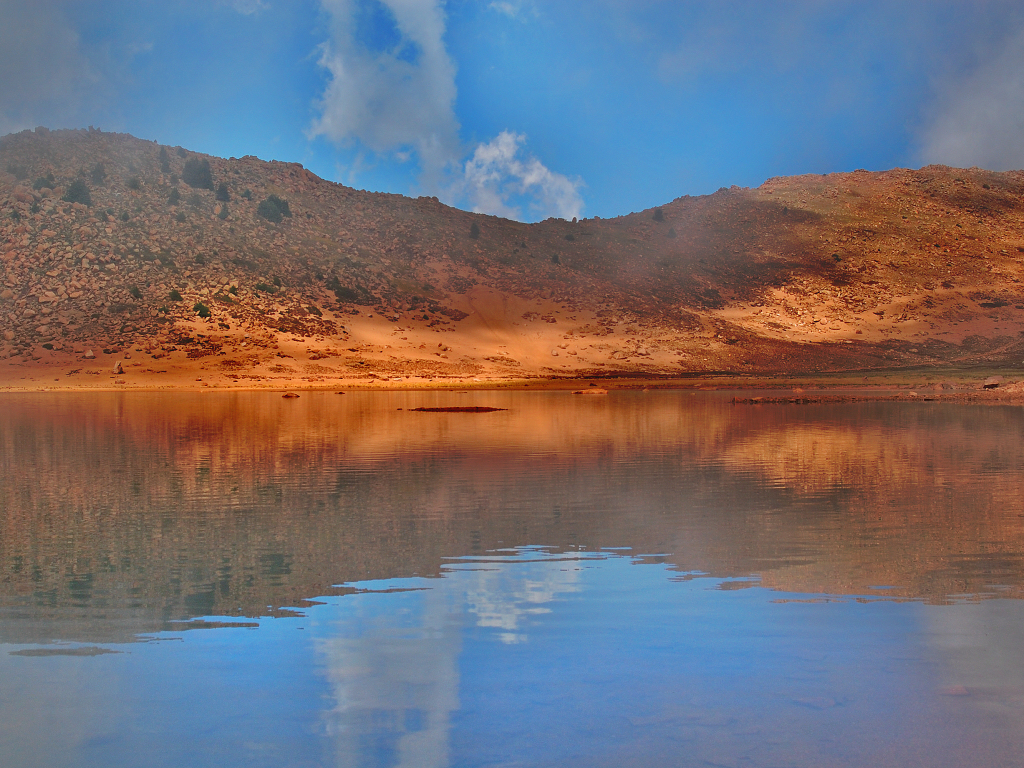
x=532, y=109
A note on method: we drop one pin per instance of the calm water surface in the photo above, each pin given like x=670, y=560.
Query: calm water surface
x=642, y=579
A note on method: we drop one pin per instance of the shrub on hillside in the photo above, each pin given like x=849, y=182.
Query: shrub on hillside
x=77, y=192
x=222, y=192
x=474, y=231
x=44, y=182
x=197, y=173
x=99, y=174
x=273, y=209
x=201, y=309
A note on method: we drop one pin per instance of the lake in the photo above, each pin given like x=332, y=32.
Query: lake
x=638, y=579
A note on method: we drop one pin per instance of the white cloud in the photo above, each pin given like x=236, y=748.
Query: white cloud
x=397, y=100
x=978, y=118
x=249, y=7
x=499, y=173
x=514, y=9
x=45, y=75
x=394, y=99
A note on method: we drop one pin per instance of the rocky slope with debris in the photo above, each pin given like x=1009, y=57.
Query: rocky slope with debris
x=116, y=248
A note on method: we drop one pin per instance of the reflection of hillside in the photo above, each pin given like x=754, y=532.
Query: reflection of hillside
x=159, y=507
x=914, y=498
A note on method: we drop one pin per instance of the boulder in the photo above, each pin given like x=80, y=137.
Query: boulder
x=89, y=355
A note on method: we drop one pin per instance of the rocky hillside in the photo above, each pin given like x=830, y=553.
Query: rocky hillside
x=110, y=244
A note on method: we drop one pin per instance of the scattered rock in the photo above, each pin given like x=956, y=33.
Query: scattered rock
x=118, y=368
x=89, y=355
x=290, y=394
x=992, y=382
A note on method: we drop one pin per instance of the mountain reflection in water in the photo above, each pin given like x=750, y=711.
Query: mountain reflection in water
x=474, y=589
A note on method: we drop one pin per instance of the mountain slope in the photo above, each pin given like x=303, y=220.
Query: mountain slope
x=811, y=273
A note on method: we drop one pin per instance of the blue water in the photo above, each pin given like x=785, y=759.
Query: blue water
x=643, y=579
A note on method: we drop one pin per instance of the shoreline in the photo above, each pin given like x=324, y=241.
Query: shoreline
x=96, y=376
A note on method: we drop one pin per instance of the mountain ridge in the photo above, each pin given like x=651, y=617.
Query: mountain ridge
x=813, y=273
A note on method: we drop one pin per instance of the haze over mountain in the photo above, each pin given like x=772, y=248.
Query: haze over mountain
x=256, y=272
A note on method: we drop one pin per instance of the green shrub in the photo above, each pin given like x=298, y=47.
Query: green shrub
x=165, y=161
x=265, y=288
x=174, y=198
x=135, y=183
x=180, y=218
x=135, y=292
x=223, y=212
x=182, y=152
x=659, y=215
x=77, y=192
x=174, y=295
x=222, y=192
x=201, y=309
x=125, y=216
x=20, y=172
x=233, y=290
x=99, y=174
x=274, y=209
x=197, y=173
x=474, y=231
x=247, y=194
x=44, y=182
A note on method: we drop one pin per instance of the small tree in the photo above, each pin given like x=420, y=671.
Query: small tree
x=201, y=309
x=77, y=192
x=99, y=174
x=273, y=209
x=174, y=295
x=135, y=183
x=223, y=213
x=222, y=192
x=474, y=231
x=197, y=173
x=165, y=160
x=659, y=215
x=175, y=197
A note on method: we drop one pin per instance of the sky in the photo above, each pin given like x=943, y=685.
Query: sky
x=527, y=108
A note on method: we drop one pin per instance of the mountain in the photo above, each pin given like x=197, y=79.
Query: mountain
x=247, y=271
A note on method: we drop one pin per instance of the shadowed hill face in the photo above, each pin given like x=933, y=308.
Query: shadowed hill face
x=182, y=257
